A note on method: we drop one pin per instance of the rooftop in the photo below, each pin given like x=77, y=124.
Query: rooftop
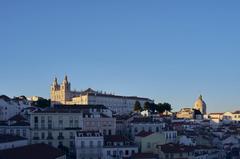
x=10, y=138
x=35, y=151
x=116, y=138
x=70, y=108
x=145, y=120
x=175, y=148
x=143, y=134
x=17, y=117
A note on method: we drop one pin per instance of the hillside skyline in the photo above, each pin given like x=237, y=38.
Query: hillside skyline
x=169, y=52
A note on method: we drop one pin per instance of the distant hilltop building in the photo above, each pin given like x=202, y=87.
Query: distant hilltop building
x=199, y=109
x=201, y=105
x=62, y=94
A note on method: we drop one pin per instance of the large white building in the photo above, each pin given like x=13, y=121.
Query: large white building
x=62, y=94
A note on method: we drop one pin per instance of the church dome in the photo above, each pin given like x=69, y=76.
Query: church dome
x=200, y=105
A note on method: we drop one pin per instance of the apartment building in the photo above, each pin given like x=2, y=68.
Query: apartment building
x=58, y=125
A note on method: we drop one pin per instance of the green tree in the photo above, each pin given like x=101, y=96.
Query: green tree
x=167, y=107
x=152, y=107
x=137, y=106
x=146, y=106
x=160, y=108
x=42, y=103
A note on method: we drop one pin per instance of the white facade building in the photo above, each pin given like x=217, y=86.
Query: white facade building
x=10, y=107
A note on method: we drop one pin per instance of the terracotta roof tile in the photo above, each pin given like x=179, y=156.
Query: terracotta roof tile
x=35, y=151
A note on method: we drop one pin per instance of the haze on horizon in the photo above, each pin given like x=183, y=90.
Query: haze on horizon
x=169, y=51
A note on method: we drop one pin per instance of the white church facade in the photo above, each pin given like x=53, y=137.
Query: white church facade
x=62, y=94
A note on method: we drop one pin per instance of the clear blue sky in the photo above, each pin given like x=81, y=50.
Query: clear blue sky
x=170, y=51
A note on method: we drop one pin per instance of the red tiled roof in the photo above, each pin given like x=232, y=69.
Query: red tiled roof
x=175, y=148
x=17, y=117
x=35, y=151
x=144, y=134
x=10, y=138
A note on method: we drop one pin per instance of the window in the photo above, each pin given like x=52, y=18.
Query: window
x=70, y=121
x=35, y=122
x=120, y=153
x=167, y=156
x=60, y=121
x=24, y=133
x=91, y=143
x=49, y=137
x=76, y=123
x=180, y=154
x=35, y=119
x=104, y=132
x=49, y=122
x=35, y=134
x=82, y=144
x=11, y=131
x=150, y=129
x=42, y=122
x=71, y=143
x=71, y=135
x=99, y=144
x=148, y=145
x=114, y=153
x=108, y=153
x=43, y=135
x=60, y=136
x=18, y=132
x=126, y=152
x=60, y=143
x=157, y=129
